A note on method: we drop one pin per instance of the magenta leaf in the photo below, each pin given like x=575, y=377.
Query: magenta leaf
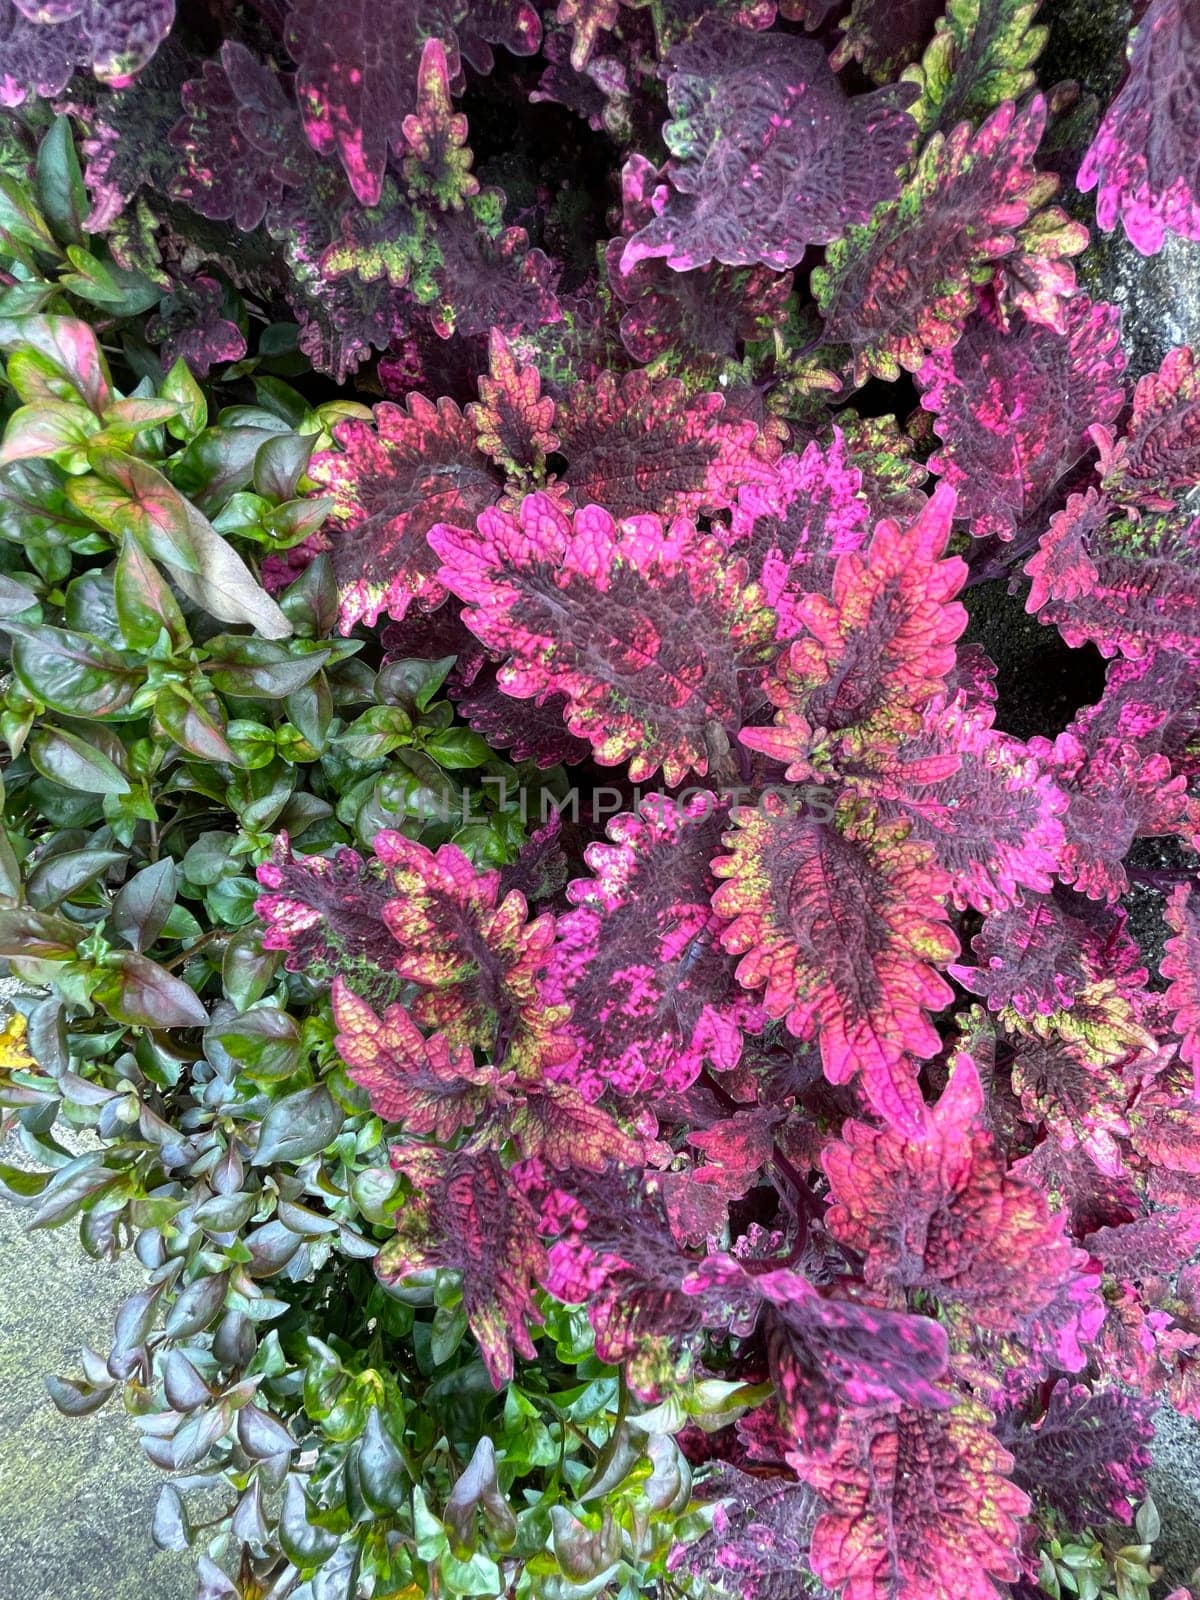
x=1181, y=966
x=918, y=1506
x=886, y=35
x=124, y=34
x=1013, y=407
x=392, y=480
x=1158, y=453
x=465, y=1213
x=840, y=932
x=438, y=165
x=639, y=958
x=768, y=154
x=937, y=1213
x=1144, y=163
x=324, y=913
x=645, y=629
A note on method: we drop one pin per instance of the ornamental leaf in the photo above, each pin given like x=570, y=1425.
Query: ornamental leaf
x=1181, y=966
x=646, y=629
x=652, y=992
x=885, y=35
x=841, y=932
x=919, y=1507
x=1144, y=162
x=534, y=732
x=587, y=19
x=1087, y=1456
x=938, y=1213
x=487, y=275
x=1158, y=453
x=357, y=79
x=36, y=59
x=392, y=480
x=878, y=649
x=515, y=421
x=758, y=1541
x=434, y=1089
x=768, y=154
x=636, y=444
x=124, y=34
x=438, y=166
x=981, y=54
x=464, y=1214
x=902, y=285
x=1126, y=585
x=993, y=822
x=1153, y=703
x=477, y=959
x=792, y=530
x=325, y=913
x=41, y=44
x=1039, y=954
x=699, y=314
x=1013, y=407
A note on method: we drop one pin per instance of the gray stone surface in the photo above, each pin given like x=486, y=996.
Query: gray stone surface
x=76, y=1495
x=1175, y=1485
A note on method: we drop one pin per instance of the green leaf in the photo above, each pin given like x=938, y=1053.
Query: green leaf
x=182, y=388
x=194, y=719
x=115, y=289
x=298, y=1126
x=32, y=933
x=68, y=759
x=138, y=991
x=260, y=669
x=145, y=605
x=457, y=748
x=280, y=463
x=376, y=733
x=60, y=187
x=247, y=970
x=23, y=229
x=72, y=672
x=141, y=908
x=57, y=430
x=129, y=498
x=55, y=358
x=264, y=1041
x=305, y=1545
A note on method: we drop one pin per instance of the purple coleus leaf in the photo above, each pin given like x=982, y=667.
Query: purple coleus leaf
x=1154, y=703
x=356, y=78
x=886, y=35
x=41, y=43
x=1181, y=966
x=465, y=1214
x=1115, y=795
x=123, y=35
x=36, y=59
x=392, y=480
x=648, y=630
x=1039, y=954
x=705, y=312
x=325, y=913
x=1158, y=452
x=1125, y=584
x=759, y=1536
x=841, y=932
x=534, y=731
x=1013, y=407
x=438, y=165
x=825, y=1354
x=652, y=992
x=636, y=444
x=1144, y=162
x=902, y=285
x=488, y=276
x=1087, y=1456
x=189, y=323
x=938, y=1213
x=768, y=154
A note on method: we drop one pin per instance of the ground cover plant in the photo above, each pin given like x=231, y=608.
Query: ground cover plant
x=613, y=1030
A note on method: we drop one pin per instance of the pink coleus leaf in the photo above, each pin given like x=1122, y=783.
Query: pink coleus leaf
x=938, y=1213
x=357, y=81
x=465, y=1214
x=438, y=164
x=919, y=1507
x=587, y=19
x=705, y=312
x=652, y=992
x=901, y=286
x=433, y=1088
x=646, y=629
x=1080, y=1102
x=768, y=154
x=1153, y=703
x=479, y=962
x=1143, y=162
x=1124, y=584
x=513, y=419
x=840, y=932
x=1181, y=966
x=878, y=649
x=1115, y=795
x=1013, y=406
x=1040, y=953
x=993, y=822
x=1158, y=452
x=759, y=1537
x=325, y=913
x=638, y=444
x=792, y=530
x=1161, y=1243
x=392, y=480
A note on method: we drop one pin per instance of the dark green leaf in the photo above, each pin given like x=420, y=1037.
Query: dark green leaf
x=72, y=672
x=194, y=718
x=68, y=759
x=279, y=464
x=140, y=911
x=298, y=1126
x=138, y=991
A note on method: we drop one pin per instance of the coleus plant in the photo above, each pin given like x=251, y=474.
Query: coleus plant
x=621, y=1071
